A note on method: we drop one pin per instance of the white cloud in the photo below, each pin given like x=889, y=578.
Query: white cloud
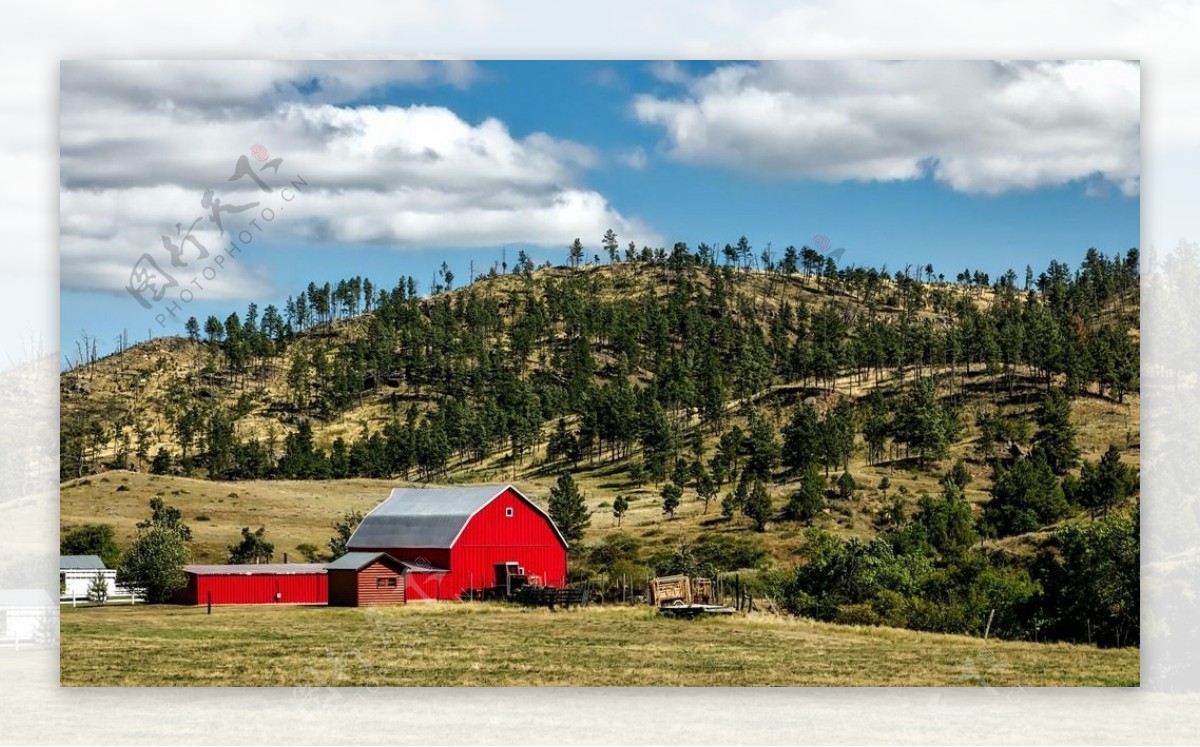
x=230, y=84
x=976, y=126
x=634, y=158
x=135, y=162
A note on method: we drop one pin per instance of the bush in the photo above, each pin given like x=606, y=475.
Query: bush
x=154, y=562
x=857, y=614
x=729, y=552
x=92, y=539
x=310, y=552
x=161, y=464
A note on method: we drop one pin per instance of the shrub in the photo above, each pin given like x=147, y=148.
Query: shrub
x=310, y=552
x=92, y=539
x=154, y=562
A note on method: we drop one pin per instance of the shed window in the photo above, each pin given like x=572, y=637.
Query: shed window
x=389, y=582
x=508, y=512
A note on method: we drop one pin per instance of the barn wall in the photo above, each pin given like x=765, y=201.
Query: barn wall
x=433, y=557
x=491, y=537
x=426, y=586
x=343, y=588
x=188, y=593
x=295, y=588
x=369, y=591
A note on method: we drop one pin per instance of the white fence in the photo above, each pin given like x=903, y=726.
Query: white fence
x=75, y=586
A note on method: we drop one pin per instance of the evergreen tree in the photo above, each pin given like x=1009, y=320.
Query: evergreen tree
x=802, y=439
x=1055, y=439
x=758, y=506
x=343, y=529
x=1025, y=497
x=806, y=502
x=611, y=245
x=1105, y=484
x=568, y=510
x=671, y=495
x=576, y=253
x=253, y=548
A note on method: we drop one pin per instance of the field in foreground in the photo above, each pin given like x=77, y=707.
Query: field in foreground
x=496, y=645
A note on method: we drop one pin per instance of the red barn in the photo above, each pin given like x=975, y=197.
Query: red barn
x=457, y=538
x=268, y=583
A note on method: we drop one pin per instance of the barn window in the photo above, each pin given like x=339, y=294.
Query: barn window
x=508, y=512
x=385, y=582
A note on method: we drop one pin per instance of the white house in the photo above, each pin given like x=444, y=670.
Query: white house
x=26, y=617
x=77, y=572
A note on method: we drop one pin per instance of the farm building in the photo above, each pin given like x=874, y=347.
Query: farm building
x=267, y=583
x=455, y=539
x=76, y=573
x=26, y=617
x=359, y=579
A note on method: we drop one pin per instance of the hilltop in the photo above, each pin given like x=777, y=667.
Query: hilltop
x=905, y=394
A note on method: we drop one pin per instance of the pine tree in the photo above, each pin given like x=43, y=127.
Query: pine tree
x=253, y=548
x=568, y=510
x=1105, y=484
x=806, y=502
x=1055, y=439
x=611, y=245
x=343, y=529
x=671, y=495
x=758, y=506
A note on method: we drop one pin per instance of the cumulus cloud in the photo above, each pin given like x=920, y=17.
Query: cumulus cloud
x=137, y=159
x=232, y=84
x=976, y=126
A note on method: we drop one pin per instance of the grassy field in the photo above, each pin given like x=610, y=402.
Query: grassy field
x=496, y=645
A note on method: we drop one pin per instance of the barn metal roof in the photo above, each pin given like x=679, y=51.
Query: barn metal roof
x=80, y=563
x=426, y=517
x=353, y=561
x=253, y=569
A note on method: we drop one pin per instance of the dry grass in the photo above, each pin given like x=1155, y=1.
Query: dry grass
x=293, y=511
x=494, y=645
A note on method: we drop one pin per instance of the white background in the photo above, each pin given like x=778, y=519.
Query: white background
x=1163, y=35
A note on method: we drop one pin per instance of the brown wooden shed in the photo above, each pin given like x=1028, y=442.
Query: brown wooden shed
x=360, y=579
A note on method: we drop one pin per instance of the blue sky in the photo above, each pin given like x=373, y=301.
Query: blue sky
x=896, y=165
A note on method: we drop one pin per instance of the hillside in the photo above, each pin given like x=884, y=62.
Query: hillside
x=891, y=399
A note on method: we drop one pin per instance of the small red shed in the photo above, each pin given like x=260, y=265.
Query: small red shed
x=457, y=538
x=359, y=579
x=267, y=583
